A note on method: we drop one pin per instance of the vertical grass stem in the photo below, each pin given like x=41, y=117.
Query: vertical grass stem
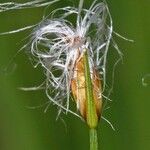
x=91, y=116
x=93, y=139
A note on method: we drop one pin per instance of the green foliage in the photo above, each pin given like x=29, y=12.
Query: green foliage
x=22, y=128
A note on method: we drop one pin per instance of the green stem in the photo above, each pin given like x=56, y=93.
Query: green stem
x=93, y=139
x=91, y=115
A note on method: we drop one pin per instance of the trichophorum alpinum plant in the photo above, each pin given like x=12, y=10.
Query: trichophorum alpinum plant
x=73, y=56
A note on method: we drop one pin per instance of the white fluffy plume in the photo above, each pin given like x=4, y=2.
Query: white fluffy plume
x=57, y=43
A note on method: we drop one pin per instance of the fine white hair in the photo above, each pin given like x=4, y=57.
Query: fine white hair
x=57, y=43
x=32, y=4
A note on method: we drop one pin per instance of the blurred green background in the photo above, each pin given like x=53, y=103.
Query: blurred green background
x=23, y=128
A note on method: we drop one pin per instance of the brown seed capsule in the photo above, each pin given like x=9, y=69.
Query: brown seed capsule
x=78, y=87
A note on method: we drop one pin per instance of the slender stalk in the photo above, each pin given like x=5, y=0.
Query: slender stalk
x=91, y=115
x=93, y=139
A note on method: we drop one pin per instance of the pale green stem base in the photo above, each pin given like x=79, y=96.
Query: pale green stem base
x=93, y=139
